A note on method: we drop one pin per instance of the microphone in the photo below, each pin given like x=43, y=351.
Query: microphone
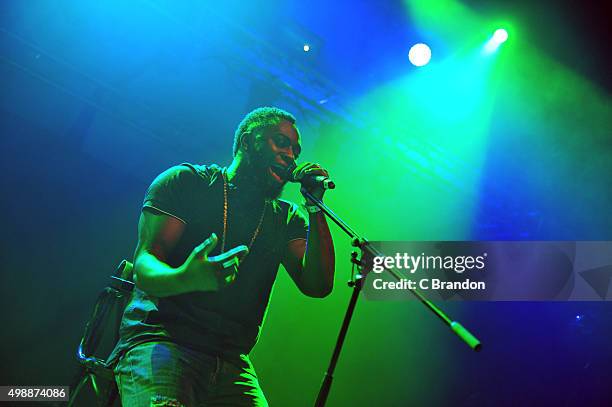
x=307, y=181
x=313, y=181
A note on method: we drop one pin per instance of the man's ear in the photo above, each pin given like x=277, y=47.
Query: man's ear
x=245, y=141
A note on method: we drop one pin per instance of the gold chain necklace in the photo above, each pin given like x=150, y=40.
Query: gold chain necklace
x=225, y=206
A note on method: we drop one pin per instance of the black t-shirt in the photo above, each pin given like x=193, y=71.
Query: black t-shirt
x=226, y=322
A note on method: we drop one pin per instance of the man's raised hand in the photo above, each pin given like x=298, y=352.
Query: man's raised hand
x=211, y=273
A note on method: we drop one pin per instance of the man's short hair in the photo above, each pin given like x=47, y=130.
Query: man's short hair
x=258, y=119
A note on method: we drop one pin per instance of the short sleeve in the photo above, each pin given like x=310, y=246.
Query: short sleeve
x=297, y=224
x=169, y=192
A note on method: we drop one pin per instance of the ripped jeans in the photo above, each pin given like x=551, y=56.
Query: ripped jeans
x=155, y=374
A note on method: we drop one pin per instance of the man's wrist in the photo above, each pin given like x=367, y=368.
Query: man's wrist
x=311, y=208
x=318, y=195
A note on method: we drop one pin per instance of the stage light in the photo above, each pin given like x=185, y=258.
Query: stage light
x=419, y=54
x=499, y=37
x=306, y=47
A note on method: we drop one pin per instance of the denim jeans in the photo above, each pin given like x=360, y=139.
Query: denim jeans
x=155, y=374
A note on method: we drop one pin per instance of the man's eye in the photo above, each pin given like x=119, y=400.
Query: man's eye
x=281, y=141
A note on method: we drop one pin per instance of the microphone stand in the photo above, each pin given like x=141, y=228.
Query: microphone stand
x=356, y=283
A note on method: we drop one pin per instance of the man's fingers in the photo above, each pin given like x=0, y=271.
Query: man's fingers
x=311, y=169
x=317, y=171
x=207, y=246
x=230, y=269
x=234, y=255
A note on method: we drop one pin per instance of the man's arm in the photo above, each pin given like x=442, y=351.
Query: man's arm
x=311, y=262
x=158, y=234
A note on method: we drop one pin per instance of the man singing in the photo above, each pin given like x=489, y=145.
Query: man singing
x=210, y=240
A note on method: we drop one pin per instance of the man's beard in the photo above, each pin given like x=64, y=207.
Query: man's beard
x=273, y=191
x=258, y=167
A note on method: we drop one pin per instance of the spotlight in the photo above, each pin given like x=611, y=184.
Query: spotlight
x=419, y=54
x=499, y=37
x=306, y=47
